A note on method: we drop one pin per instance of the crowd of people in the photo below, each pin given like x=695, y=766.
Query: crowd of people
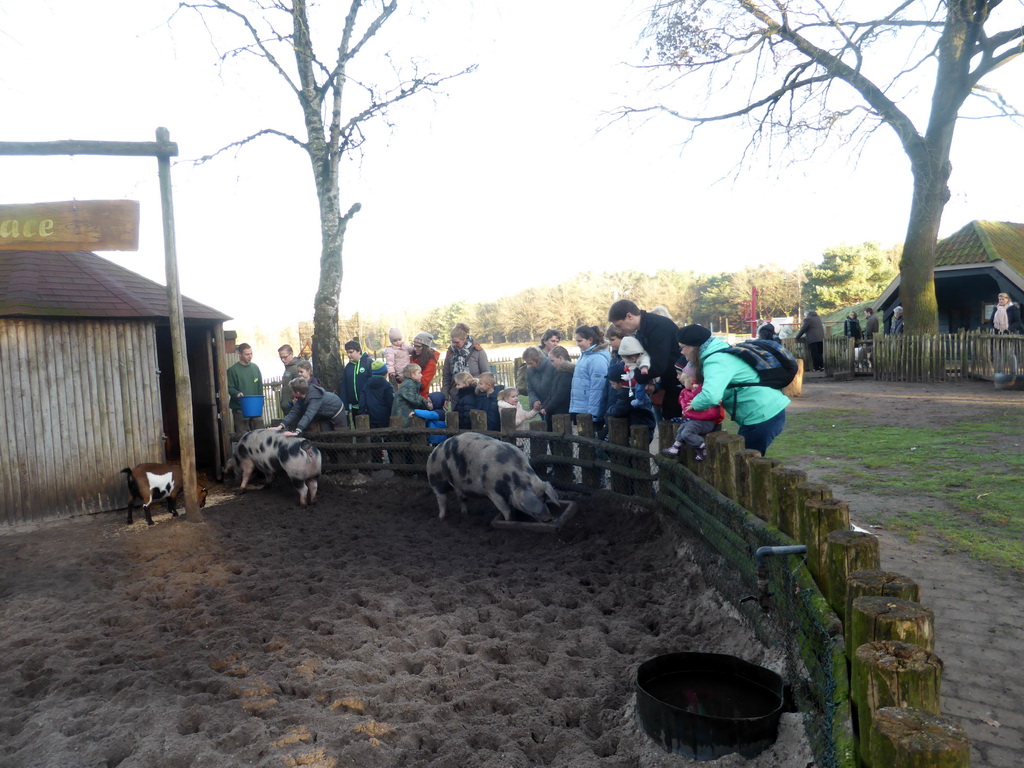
x=641, y=367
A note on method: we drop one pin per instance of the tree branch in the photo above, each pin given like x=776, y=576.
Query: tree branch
x=246, y=140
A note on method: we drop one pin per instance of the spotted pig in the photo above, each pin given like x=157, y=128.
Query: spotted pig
x=269, y=452
x=472, y=464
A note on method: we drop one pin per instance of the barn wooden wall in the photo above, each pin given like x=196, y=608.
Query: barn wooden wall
x=79, y=400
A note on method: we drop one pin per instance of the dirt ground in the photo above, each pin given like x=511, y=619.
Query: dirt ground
x=363, y=632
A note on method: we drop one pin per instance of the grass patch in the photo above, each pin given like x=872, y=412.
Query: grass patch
x=963, y=478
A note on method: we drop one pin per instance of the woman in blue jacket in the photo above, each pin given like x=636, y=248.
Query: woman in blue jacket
x=589, y=390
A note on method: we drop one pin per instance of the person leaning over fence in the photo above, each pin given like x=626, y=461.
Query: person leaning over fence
x=760, y=411
x=244, y=379
x=408, y=397
x=620, y=402
x=657, y=334
x=561, y=385
x=540, y=374
x=291, y=371
x=813, y=332
x=314, y=406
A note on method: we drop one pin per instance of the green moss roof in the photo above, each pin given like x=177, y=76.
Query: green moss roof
x=983, y=241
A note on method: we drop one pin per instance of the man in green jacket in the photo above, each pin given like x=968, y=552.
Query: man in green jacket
x=760, y=411
x=244, y=379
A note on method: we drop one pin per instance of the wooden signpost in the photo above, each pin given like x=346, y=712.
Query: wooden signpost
x=79, y=225
x=33, y=223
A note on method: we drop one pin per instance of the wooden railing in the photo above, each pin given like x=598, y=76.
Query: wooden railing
x=927, y=358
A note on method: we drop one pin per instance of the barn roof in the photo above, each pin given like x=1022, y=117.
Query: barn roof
x=82, y=284
x=980, y=242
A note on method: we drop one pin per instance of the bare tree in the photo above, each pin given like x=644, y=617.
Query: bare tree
x=787, y=58
x=336, y=106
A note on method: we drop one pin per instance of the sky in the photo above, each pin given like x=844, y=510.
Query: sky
x=514, y=176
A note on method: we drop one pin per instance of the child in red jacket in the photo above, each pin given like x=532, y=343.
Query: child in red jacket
x=695, y=424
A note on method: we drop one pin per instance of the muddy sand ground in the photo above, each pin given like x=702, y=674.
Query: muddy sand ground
x=363, y=632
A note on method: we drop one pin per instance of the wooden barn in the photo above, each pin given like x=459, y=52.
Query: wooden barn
x=87, y=383
x=972, y=267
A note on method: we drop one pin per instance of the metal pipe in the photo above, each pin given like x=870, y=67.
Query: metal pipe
x=792, y=549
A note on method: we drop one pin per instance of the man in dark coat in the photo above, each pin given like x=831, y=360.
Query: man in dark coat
x=657, y=334
x=813, y=332
x=354, y=377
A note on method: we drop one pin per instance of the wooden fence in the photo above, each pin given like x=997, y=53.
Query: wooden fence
x=925, y=359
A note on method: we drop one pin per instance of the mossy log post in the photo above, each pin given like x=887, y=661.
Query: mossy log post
x=822, y=517
x=783, y=507
x=846, y=552
x=478, y=421
x=742, y=459
x=666, y=434
x=892, y=674
x=876, y=584
x=640, y=440
x=908, y=737
x=618, y=434
x=761, y=495
x=363, y=457
x=592, y=476
x=805, y=492
x=890, y=618
x=562, y=425
x=419, y=438
x=508, y=424
x=724, y=463
x=451, y=419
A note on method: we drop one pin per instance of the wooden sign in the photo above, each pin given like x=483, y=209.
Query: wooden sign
x=81, y=225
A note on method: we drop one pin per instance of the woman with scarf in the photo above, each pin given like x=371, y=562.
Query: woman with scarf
x=464, y=354
x=1006, y=316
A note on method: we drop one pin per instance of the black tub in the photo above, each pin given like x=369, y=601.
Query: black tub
x=706, y=705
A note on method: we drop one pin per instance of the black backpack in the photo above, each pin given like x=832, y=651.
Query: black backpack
x=776, y=368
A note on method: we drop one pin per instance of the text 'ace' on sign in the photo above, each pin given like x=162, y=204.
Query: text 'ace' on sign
x=79, y=225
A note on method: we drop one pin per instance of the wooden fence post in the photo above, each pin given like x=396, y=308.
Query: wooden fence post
x=846, y=552
x=742, y=460
x=889, y=618
x=913, y=738
x=760, y=486
x=876, y=584
x=782, y=507
x=640, y=440
x=562, y=425
x=806, y=492
x=478, y=420
x=618, y=434
x=539, y=447
x=820, y=519
x=508, y=424
x=892, y=674
x=592, y=476
x=363, y=422
x=724, y=462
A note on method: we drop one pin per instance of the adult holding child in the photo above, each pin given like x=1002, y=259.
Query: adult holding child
x=464, y=354
x=760, y=411
x=657, y=335
x=589, y=391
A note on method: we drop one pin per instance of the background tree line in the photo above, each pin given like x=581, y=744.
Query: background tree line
x=846, y=276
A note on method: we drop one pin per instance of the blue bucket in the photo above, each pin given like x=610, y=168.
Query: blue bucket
x=252, y=406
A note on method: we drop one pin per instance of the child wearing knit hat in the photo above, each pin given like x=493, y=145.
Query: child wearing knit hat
x=396, y=356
